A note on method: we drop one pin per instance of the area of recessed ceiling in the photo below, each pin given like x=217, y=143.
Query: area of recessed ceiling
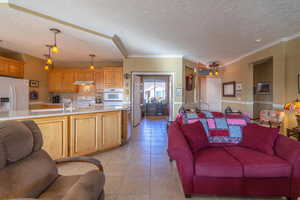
x=26, y=33
x=200, y=30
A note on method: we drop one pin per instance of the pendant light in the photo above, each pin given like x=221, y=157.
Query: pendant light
x=54, y=48
x=46, y=67
x=49, y=60
x=92, y=66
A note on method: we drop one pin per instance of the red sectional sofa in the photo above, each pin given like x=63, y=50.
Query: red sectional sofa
x=236, y=169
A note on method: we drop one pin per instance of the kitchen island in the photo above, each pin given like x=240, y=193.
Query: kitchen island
x=76, y=132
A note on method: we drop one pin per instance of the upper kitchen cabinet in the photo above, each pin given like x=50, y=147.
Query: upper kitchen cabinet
x=113, y=77
x=61, y=81
x=84, y=75
x=99, y=79
x=11, y=68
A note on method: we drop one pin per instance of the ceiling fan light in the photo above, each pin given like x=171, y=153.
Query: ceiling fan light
x=217, y=73
x=211, y=73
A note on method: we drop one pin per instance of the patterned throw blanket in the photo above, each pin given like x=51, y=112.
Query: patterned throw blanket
x=219, y=128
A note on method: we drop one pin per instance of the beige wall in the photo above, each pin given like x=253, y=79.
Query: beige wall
x=189, y=68
x=286, y=59
x=33, y=70
x=173, y=65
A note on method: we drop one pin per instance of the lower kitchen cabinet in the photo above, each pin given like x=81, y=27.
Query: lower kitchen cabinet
x=55, y=136
x=83, y=130
x=110, y=130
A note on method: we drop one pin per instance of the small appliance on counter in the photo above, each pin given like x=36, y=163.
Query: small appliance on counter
x=113, y=96
x=56, y=99
x=99, y=100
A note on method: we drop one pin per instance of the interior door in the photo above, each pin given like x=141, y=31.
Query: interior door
x=137, y=112
x=213, y=92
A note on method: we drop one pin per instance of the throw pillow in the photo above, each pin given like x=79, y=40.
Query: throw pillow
x=259, y=138
x=195, y=135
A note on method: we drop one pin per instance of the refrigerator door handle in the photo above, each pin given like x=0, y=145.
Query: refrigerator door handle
x=15, y=98
x=11, y=98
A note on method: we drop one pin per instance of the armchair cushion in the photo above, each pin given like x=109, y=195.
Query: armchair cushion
x=259, y=138
x=88, y=187
x=28, y=177
x=16, y=139
x=260, y=165
x=36, y=133
x=216, y=162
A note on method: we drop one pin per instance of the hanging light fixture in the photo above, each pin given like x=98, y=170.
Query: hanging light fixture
x=92, y=66
x=49, y=60
x=46, y=67
x=54, y=48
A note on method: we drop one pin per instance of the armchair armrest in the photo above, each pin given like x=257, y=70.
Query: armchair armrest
x=93, y=161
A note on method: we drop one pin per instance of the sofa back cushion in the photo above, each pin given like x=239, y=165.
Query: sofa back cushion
x=195, y=135
x=259, y=138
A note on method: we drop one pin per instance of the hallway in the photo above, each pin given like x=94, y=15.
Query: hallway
x=140, y=170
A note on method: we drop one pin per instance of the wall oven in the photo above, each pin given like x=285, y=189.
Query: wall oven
x=113, y=94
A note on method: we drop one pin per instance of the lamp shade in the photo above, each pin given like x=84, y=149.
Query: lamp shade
x=293, y=107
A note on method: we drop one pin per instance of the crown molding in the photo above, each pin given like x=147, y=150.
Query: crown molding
x=284, y=39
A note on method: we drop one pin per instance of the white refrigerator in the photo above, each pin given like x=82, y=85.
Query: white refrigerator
x=14, y=94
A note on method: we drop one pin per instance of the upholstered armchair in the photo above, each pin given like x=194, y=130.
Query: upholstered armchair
x=27, y=171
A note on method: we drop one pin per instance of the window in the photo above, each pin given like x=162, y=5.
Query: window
x=154, y=91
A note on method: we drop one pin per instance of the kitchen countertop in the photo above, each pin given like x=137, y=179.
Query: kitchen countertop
x=28, y=114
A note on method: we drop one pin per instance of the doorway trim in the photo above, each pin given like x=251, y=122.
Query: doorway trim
x=171, y=88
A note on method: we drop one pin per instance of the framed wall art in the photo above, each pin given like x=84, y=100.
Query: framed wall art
x=34, y=83
x=229, y=89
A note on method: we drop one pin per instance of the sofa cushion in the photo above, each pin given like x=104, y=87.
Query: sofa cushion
x=28, y=177
x=260, y=165
x=195, y=135
x=217, y=162
x=259, y=138
x=16, y=139
x=88, y=186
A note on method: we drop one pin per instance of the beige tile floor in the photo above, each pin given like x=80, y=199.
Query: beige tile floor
x=140, y=170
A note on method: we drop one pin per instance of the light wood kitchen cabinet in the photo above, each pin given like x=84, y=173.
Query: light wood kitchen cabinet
x=83, y=130
x=99, y=80
x=61, y=81
x=55, y=81
x=68, y=78
x=113, y=77
x=111, y=129
x=55, y=135
x=84, y=75
x=11, y=68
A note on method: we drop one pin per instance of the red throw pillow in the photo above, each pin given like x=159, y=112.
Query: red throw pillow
x=195, y=134
x=259, y=138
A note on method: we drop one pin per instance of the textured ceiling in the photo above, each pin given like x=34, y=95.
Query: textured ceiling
x=201, y=30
